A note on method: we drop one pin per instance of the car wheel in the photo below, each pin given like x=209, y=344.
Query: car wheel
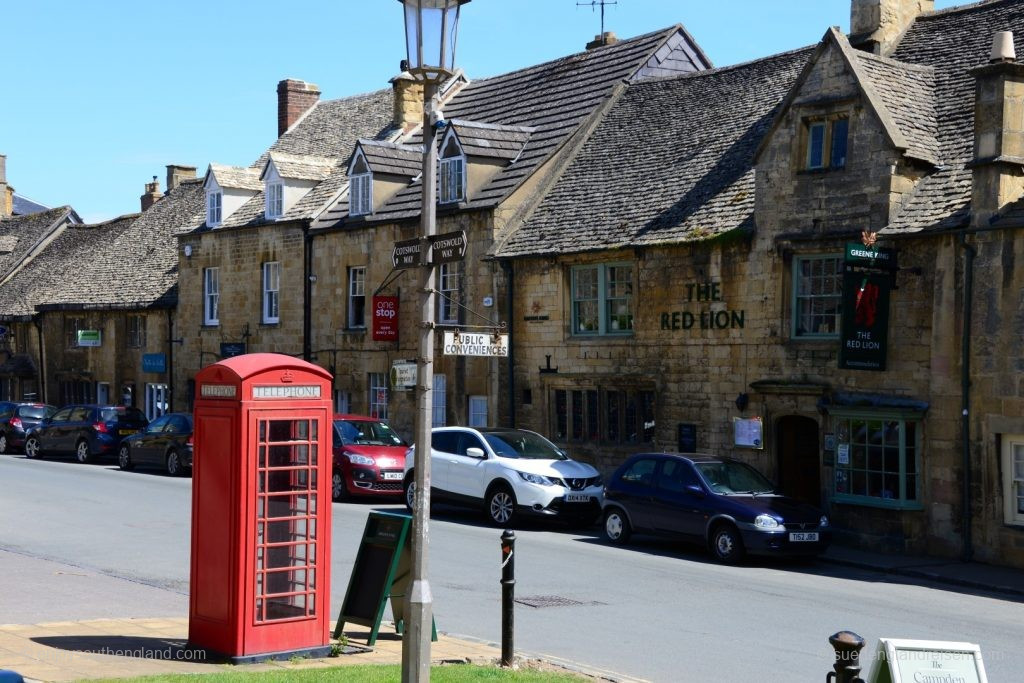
x=501, y=505
x=3, y=444
x=82, y=451
x=339, y=491
x=124, y=457
x=32, y=449
x=173, y=463
x=410, y=492
x=616, y=526
x=727, y=544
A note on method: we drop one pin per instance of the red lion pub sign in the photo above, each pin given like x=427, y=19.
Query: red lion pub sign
x=867, y=281
x=385, y=318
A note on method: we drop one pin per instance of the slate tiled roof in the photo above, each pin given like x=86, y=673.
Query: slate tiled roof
x=20, y=235
x=128, y=263
x=236, y=177
x=952, y=42
x=671, y=161
x=329, y=130
x=302, y=166
x=24, y=206
x=908, y=94
x=554, y=97
x=491, y=140
x=391, y=158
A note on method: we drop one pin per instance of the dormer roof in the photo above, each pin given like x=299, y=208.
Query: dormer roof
x=490, y=139
x=234, y=177
x=390, y=158
x=299, y=166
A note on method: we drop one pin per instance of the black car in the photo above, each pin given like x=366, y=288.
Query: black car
x=85, y=430
x=17, y=420
x=723, y=503
x=165, y=443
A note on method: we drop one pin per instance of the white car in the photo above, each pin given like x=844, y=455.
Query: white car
x=507, y=472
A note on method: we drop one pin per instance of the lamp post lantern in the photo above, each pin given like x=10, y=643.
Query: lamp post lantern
x=430, y=32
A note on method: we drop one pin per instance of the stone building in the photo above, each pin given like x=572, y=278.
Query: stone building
x=684, y=283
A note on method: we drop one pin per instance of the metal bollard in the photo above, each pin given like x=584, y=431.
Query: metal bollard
x=508, y=594
x=847, y=645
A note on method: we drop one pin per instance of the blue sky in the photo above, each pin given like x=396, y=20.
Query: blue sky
x=100, y=96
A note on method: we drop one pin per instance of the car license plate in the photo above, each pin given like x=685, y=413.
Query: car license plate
x=797, y=537
x=577, y=498
x=392, y=475
x=126, y=432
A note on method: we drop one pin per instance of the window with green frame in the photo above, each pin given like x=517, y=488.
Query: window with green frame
x=817, y=296
x=878, y=459
x=602, y=299
x=602, y=415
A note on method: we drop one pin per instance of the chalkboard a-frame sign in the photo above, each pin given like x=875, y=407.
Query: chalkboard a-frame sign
x=382, y=570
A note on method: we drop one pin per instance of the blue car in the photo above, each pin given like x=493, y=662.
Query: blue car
x=86, y=431
x=722, y=503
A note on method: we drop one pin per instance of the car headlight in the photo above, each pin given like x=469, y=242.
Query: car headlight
x=766, y=522
x=823, y=522
x=536, y=479
x=357, y=459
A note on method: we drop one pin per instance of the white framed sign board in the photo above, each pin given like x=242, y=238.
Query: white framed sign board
x=926, y=661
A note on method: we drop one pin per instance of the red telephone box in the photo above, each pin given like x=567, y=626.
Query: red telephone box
x=261, y=508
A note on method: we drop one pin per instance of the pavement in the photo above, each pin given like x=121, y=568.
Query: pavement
x=122, y=648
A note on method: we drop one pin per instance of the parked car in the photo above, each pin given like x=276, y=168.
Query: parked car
x=723, y=503
x=507, y=472
x=166, y=442
x=85, y=430
x=369, y=458
x=17, y=420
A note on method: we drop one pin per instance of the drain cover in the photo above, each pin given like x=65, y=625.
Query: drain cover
x=548, y=601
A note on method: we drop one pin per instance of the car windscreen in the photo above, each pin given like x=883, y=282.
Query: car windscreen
x=733, y=478
x=365, y=433
x=122, y=414
x=521, y=444
x=32, y=412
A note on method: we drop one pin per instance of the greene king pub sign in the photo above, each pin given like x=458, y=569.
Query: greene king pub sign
x=867, y=283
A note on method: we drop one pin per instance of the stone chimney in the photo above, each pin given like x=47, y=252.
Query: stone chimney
x=294, y=98
x=998, y=165
x=876, y=25
x=6, y=195
x=408, y=112
x=606, y=38
x=176, y=174
x=152, y=195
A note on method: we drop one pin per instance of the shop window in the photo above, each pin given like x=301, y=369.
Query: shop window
x=378, y=395
x=448, y=301
x=211, y=296
x=271, y=292
x=439, y=405
x=602, y=299
x=817, y=296
x=878, y=460
x=603, y=415
x=1013, y=477
x=136, y=331
x=826, y=143
x=342, y=402
x=477, y=411
x=357, y=297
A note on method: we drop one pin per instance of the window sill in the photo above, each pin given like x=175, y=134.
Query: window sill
x=210, y=326
x=819, y=171
x=887, y=504
x=269, y=323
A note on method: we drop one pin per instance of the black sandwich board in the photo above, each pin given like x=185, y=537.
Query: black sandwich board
x=382, y=571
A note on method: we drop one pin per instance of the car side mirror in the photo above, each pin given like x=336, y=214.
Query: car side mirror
x=695, y=490
x=474, y=452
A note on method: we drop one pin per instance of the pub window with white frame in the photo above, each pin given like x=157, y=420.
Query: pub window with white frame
x=453, y=173
x=602, y=299
x=448, y=277
x=440, y=401
x=211, y=296
x=213, y=208
x=136, y=331
x=817, y=296
x=378, y=399
x=878, y=459
x=357, y=297
x=271, y=292
x=275, y=200
x=477, y=411
x=1013, y=476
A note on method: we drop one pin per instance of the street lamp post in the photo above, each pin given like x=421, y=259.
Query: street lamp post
x=430, y=32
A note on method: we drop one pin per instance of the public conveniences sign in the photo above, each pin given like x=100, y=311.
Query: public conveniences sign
x=385, y=318
x=466, y=344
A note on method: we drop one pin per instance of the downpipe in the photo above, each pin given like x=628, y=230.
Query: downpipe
x=965, y=393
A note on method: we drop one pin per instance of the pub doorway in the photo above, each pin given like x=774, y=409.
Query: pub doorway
x=799, y=462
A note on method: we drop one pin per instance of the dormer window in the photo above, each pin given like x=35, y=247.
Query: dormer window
x=213, y=208
x=275, y=200
x=826, y=143
x=453, y=172
x=360, y=200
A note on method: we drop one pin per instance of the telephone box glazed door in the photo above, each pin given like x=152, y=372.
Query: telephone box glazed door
x=288, y=560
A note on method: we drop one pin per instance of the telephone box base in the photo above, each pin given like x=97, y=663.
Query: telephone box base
x=317, y=652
